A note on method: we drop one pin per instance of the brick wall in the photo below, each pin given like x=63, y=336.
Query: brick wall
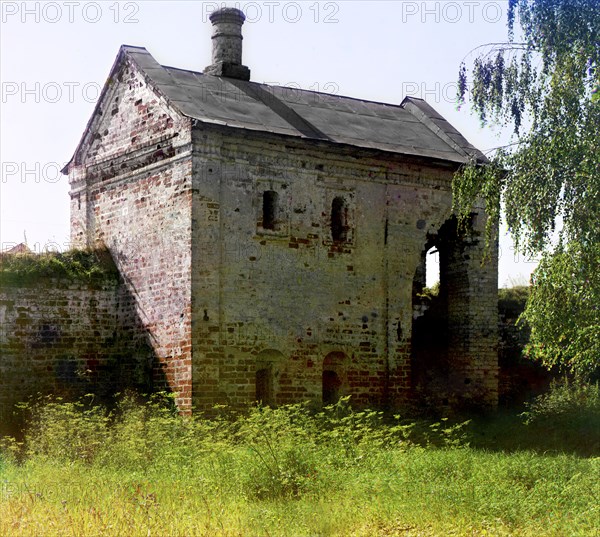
x=131, y=193
x=67, y=338
x=293, y=302
x=455, y=350
x=235, y=300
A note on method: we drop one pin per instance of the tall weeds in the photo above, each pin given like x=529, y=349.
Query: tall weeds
x=142, y=469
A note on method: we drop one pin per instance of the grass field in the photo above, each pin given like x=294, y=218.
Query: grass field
x=143, y=470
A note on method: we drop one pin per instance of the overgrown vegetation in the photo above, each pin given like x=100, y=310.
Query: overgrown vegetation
x=91, y=266
x=564, y=419
x=429, y=293
x=141, y=469
x=512, y=300
x=563, y=310
x=565, y=404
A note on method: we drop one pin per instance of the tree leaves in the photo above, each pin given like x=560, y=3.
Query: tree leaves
x=563, y=310
x=547, y=88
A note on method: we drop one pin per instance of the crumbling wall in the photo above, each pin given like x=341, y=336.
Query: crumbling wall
x=67, y=338
x=471, y=282
x=309, y=298
x=455, y=345
x=337, y=315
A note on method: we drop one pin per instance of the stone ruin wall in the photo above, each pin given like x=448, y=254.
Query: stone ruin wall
x=131, y=193
x=68, y=338
x=220, y=301
x=292, y=304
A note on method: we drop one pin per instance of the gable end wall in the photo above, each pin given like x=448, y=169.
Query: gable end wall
x=131, y=192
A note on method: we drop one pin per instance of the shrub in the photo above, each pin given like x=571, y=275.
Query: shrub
x=565, y=400
x=65, y=431
x=81, y=265
x=512, y=300
x=281, y=451
x=567, y=416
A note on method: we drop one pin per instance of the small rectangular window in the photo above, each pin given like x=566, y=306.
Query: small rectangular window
x=339, y=220
x=269, y=209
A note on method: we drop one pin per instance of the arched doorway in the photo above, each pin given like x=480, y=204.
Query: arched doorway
x=264, y=386
x=429, y=343
x=333, y=378
x=268, y=363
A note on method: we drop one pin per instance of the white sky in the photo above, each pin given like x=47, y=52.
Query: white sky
x=55, y=57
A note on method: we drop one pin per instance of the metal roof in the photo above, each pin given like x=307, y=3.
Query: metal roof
x=411, y=128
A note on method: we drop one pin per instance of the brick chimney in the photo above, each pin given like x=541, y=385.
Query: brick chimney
x=227, y=44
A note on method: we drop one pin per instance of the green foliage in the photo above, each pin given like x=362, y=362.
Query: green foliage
x=548, y=79
x=512, y=300
x=564, y=310
x=447, y=434
x=566, y=401
x=282, y=457
x=569, y=409
x=553, y=63
x=142, y=469
x=546, y=86
x=81, y=265
x=474, y=182
x=430, y=293
x=64, y=431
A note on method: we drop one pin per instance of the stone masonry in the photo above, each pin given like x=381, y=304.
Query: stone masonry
x=67, y=338
x=272, y=257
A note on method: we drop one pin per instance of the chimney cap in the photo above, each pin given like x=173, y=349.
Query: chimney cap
x=227, y=14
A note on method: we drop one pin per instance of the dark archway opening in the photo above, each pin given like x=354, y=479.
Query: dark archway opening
x=333, y=377
x=264, y=386
x=331, y=387
x=429, y=344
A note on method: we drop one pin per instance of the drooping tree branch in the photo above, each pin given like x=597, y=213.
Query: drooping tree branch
x=547, y=88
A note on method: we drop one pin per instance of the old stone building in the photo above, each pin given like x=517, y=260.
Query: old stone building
x=274, y=239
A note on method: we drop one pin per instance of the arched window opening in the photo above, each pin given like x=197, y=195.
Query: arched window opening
x=339, y=219
x=432, y=267
x=269, y=209
x=427, y=274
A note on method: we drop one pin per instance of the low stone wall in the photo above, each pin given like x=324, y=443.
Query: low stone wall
x=520, y=378
x=69, y=335
x=68, y=338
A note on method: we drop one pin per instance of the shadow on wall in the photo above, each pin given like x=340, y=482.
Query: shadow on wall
x=68, y=327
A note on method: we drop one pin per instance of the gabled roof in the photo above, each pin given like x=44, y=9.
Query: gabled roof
x=21, y=248
x=411, y=128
